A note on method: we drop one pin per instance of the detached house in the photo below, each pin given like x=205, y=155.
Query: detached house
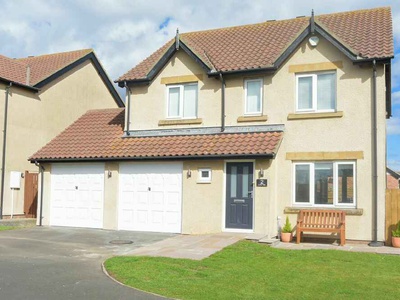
x=231, y=129
x=41, y=96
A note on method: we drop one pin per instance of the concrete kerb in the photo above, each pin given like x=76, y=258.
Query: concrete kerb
x=103, y=268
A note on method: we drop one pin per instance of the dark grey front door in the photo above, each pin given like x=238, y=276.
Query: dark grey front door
x=239, y=195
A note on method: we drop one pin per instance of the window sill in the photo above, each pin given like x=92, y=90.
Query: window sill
x=302, y=116
x=263, y=118
x=349, y=211
x=180, y=122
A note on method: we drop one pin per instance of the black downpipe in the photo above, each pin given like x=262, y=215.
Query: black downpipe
x=128, y=109
x=41, y=171
x=3, y=160
x=222, y=102
x=374, y=242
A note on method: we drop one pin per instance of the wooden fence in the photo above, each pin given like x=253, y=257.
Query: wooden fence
x=392, y=213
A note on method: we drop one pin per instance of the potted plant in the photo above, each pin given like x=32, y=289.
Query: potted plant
x=396, y=236
x=286, y=234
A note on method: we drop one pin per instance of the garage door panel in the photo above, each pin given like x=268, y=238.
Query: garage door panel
x=77, y=195
x=151, y=191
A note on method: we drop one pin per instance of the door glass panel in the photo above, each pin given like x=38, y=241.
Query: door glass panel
x=233, y=181
x=302, y=183
x=305, y=92
x=345, y=183
x=323, y=186
x=245, y=182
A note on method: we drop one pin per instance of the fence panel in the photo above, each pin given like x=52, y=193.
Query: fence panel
x=392, y=213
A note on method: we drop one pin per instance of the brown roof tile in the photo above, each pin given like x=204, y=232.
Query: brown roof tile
x=12, y=70
x=43, y=66
x=98, y=134
x=368, y=32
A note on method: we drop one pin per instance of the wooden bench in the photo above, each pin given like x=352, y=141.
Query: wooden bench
x=316, y=220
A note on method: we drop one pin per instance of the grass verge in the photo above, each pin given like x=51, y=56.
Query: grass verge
x=248, y=270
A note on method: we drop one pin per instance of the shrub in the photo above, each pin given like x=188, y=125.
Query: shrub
x=287, y=228
x=396, y=233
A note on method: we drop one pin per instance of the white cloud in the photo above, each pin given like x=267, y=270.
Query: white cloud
x=396, y=98
x=393, y=126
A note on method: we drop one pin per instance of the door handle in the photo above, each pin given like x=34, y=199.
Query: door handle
x=238, y=201
x=76, y=187
x=149, y=189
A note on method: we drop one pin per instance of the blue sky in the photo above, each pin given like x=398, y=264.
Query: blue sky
x=123, y=32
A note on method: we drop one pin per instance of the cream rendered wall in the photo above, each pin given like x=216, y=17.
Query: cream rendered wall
x=352, y=132
x=204, y=203
x=111, y=194
x=36, y=118
x=46, y=196
x=149, y=103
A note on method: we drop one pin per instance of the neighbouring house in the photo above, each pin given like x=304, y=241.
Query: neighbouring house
x=43, y=95
x=231, y=129
x=392, y=179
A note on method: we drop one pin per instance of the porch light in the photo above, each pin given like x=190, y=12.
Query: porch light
x=261, y=173
x=189, y=173
x=109, y=174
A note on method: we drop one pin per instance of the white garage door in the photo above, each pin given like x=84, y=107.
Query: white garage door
x=77, y=195
x=150, y=197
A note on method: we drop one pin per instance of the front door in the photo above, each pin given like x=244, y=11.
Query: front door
x=239, y=195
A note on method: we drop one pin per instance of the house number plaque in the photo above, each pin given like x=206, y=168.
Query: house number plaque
x=262, y=182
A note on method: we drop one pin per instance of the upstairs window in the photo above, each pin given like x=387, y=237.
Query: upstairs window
x=324, y=184
x=182, y=101
x=253, y=97
x=316, y=92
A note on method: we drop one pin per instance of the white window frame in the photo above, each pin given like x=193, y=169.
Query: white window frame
x=336, y=204
x=261, y=97
x=202, y=179
x=181, y=100
x=314, y=97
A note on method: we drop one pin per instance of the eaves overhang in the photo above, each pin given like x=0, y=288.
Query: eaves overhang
x=23, y=86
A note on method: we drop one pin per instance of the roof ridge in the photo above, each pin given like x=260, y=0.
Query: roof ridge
x=355, y=11
x=14, y=60
x=88, y=50
x=245, y=25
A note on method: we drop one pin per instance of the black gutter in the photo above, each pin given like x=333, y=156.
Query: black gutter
x=41, y=171
x=176, y=158
x=222, y=102
x=99, y=70
x=374, y=149
x=23, y=86
x=128, y=109
x=388, y=83
x=3, y=159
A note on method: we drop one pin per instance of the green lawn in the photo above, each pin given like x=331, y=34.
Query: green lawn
x=249, y=270
x=2, y=228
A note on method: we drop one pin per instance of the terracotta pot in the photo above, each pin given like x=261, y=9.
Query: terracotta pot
x=396, y=242
x=286, y=237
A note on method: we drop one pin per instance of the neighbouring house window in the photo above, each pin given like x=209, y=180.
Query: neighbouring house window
x=324, y=183
x=316, y=92
x=182, y=101
x=253, y=97
x=204, y=175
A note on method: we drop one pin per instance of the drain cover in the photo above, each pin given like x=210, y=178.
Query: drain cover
x=121, y=242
